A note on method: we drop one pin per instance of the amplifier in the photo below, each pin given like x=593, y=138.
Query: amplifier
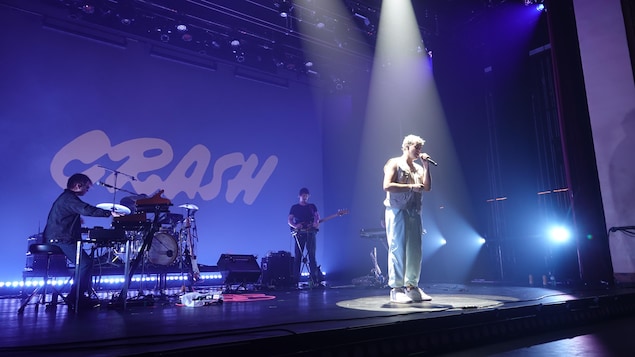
x=239, y=268
x=277, y=270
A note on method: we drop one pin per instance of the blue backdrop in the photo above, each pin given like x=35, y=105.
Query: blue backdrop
x=238, y=149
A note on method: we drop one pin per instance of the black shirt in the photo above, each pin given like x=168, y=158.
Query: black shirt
x=304, y=214
x=64, y=220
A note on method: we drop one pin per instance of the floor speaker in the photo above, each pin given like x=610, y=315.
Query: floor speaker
x=238, y=268
x=277, y=270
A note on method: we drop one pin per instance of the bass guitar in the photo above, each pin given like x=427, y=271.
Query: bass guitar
x=308, y=227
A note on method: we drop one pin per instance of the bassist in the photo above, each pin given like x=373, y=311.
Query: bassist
x=304, y=220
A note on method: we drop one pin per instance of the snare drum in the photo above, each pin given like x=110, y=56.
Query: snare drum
x=163, y=250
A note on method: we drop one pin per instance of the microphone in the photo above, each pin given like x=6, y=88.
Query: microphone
x=429, y=159
x=99, y=183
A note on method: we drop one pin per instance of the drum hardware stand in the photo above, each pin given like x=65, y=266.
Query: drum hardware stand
x=130, y=268
x=162, y=270
x=187, y=236
x=93, y=292
x=114, y=253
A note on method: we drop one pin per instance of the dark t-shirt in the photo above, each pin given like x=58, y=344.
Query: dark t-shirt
x=303, y=213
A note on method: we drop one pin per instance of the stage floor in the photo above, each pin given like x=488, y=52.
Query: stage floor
x=335, y=320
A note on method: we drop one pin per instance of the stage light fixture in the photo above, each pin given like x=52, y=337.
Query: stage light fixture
x=126, y=20
x=126, y=14
x=285, y=7
x=239, y=54
x=368, y=27
x=339, y=84
x=310, y=68
x=539, y=4
x=88, y=9
x=559, y=234
x=362, y=18
x=163, y=33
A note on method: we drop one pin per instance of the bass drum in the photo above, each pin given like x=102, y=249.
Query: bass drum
x=163, y=250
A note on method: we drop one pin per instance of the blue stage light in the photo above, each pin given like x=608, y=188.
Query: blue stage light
x=559, y=234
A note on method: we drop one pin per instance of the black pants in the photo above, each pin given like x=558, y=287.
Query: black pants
x=85, y=269
x=306, y=240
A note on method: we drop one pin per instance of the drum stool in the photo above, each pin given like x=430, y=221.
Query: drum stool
x=48, y=250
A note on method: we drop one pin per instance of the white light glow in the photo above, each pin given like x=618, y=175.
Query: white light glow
x=559, y=234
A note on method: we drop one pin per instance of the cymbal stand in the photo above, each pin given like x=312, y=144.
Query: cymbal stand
x=130, y=268
x=189, y=239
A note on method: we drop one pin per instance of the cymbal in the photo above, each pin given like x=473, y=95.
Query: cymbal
x=116, y=208
x=189, y=206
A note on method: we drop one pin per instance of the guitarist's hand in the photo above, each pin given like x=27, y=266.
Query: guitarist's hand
x=305, y=226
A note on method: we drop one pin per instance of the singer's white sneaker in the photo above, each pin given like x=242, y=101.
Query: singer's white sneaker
x=416, y=294
x=397, y=295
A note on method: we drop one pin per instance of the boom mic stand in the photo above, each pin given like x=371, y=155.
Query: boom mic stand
x=114, y=186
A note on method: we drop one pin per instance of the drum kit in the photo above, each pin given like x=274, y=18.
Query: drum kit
x=172, y=245
x=153, y=236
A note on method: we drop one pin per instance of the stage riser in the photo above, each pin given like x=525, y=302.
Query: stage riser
x=431, y=337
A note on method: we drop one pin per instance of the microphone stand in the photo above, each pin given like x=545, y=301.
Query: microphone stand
x=114, y=187
x=114, y=191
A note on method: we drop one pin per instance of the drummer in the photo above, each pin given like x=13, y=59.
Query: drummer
x=63, y=228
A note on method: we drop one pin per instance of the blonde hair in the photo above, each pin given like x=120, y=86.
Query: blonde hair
x=411, y=140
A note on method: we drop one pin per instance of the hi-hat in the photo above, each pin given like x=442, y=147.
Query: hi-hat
x=189, y=206
x=115, y=208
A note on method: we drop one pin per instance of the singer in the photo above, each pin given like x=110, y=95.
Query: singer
x=404, y=183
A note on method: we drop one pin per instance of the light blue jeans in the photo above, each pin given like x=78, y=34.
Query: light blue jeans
x=404, y=233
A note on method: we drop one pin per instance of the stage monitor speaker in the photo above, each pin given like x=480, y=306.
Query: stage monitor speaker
x=277, y=270
x=239, y=268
